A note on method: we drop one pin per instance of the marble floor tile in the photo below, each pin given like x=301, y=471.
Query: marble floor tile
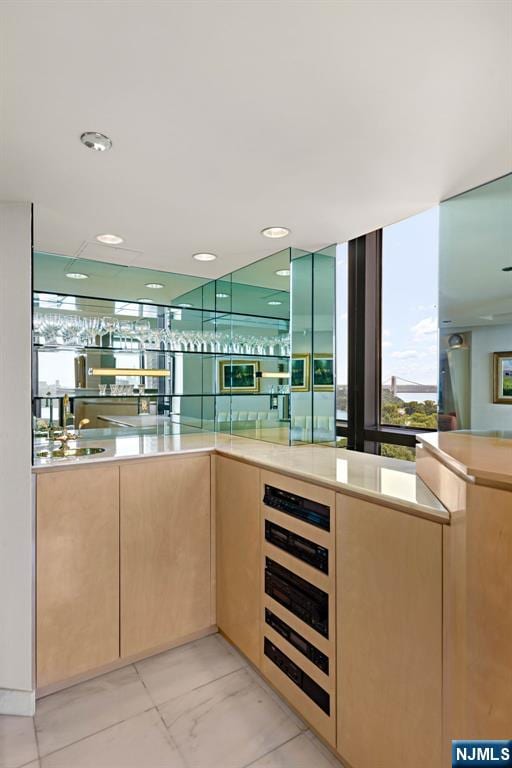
x=84, y=709
x=301, y=725
x=228, y=723
x=140, y=742
x=182, y=669
x=17, y=741
x=304, y=751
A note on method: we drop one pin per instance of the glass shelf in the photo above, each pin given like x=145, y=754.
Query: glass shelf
x=85, y=349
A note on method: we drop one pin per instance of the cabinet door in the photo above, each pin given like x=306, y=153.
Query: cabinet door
x=238, y=554
x=77, y=571
x=389, y=613
x=165, y=551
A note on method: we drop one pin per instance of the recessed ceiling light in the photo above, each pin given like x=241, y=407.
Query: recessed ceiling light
x=147, y=301
x=185, y=306
x=204, y=256
x=275, y=232
x=109, y=239
x=283, y=272
x=77, y=275
x=154, y=285
x=274, y=303
x=222, y=295
x=507, y=269
x=97, y=141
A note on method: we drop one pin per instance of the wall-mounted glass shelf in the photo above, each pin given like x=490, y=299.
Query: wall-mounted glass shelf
x=85, y=349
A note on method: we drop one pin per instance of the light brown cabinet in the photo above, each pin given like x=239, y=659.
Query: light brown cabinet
x=389, y=615
x=238, y=554
x=77, y=572
x=165, y=551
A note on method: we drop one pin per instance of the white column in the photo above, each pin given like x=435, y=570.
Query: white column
x=16, y=505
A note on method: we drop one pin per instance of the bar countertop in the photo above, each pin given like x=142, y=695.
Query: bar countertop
x=483, y=458
x=390, y=482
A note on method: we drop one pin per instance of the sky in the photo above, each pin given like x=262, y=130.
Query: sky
x=409, y=304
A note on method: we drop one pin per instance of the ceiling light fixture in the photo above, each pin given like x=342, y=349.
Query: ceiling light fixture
x=146, y=301
x=77, y=275
x=153, y=285
x=109, y=239
x=283, y=272
x=185, y=306
x=275, y=232
x=204, y=256
x=274, y=303
x=96, y=141
x=222, y=295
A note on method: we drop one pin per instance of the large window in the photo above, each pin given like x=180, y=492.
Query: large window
x=409, y=387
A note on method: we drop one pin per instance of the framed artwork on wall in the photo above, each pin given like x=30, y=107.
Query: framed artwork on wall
x=323, y=372
x=300, y=373
x=502, y=367
x=239, y=376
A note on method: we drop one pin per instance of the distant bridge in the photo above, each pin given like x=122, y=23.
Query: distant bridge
x=407, y=386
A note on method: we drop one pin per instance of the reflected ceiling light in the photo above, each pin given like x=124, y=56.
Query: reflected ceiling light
x=446, y=321
x=96, y=141
x=275, y=232
x=153, y=285
x=204, y=256
x=185, y=306
x=147, y=301
x=109, y=239
x=283, y=272
x=272, y=374
x=274, y=303
x=222, y=295
x=77, y=275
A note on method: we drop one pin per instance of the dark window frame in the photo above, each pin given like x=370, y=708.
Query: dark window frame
x=363, y=428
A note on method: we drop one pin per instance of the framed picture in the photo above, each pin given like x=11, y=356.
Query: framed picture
x=502, y=377
x=239, y=376
x=323, y=372
x=300, y=373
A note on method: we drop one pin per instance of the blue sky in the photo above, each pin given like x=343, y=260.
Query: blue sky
x=410, y=293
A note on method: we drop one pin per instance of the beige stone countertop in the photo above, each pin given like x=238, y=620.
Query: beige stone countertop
x=475, y=457
x=390, y=482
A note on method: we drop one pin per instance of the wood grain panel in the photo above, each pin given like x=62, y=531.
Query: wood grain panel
x=165, y=551
x=389, y=614
x=77, y=572
x=489, y=613
x=445, y=484
x=238, y=554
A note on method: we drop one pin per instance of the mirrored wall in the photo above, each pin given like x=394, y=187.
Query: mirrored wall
x=475, y=309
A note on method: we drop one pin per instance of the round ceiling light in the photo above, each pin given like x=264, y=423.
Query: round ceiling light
x=154, y=285
x=222, y=295
x=204, y=256
x=274, y=303
x=77, y=275
x=283, y=272
x=275, y=232
x=96, y=141
x=185, y=306
x=109, y=239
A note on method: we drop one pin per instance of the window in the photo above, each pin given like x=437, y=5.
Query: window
x=409, y=386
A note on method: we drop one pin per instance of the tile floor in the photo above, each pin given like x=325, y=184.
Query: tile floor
x=198, y=706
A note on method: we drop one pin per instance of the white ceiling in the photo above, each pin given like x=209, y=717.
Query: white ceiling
x=331, y=118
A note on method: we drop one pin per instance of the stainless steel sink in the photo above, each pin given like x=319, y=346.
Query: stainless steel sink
x=68, y=453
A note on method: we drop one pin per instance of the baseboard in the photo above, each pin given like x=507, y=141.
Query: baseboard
x=14, y=702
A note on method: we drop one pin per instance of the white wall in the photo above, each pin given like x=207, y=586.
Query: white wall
x=16, y=512
x=484, y=413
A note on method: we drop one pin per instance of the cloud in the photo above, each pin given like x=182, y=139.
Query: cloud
x=386, y=332
x=387, y=343
x=425, y=327
x=407, y=354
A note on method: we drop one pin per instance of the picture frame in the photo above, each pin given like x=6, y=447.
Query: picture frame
x=239, y=376
x=502, y=378
x=299, y=381
x=323, y=372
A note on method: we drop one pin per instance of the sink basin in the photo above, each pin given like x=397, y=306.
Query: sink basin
x=68, y=453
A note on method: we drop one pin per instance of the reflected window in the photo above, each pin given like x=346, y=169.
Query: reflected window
x=342, y=332
x=409, y=388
